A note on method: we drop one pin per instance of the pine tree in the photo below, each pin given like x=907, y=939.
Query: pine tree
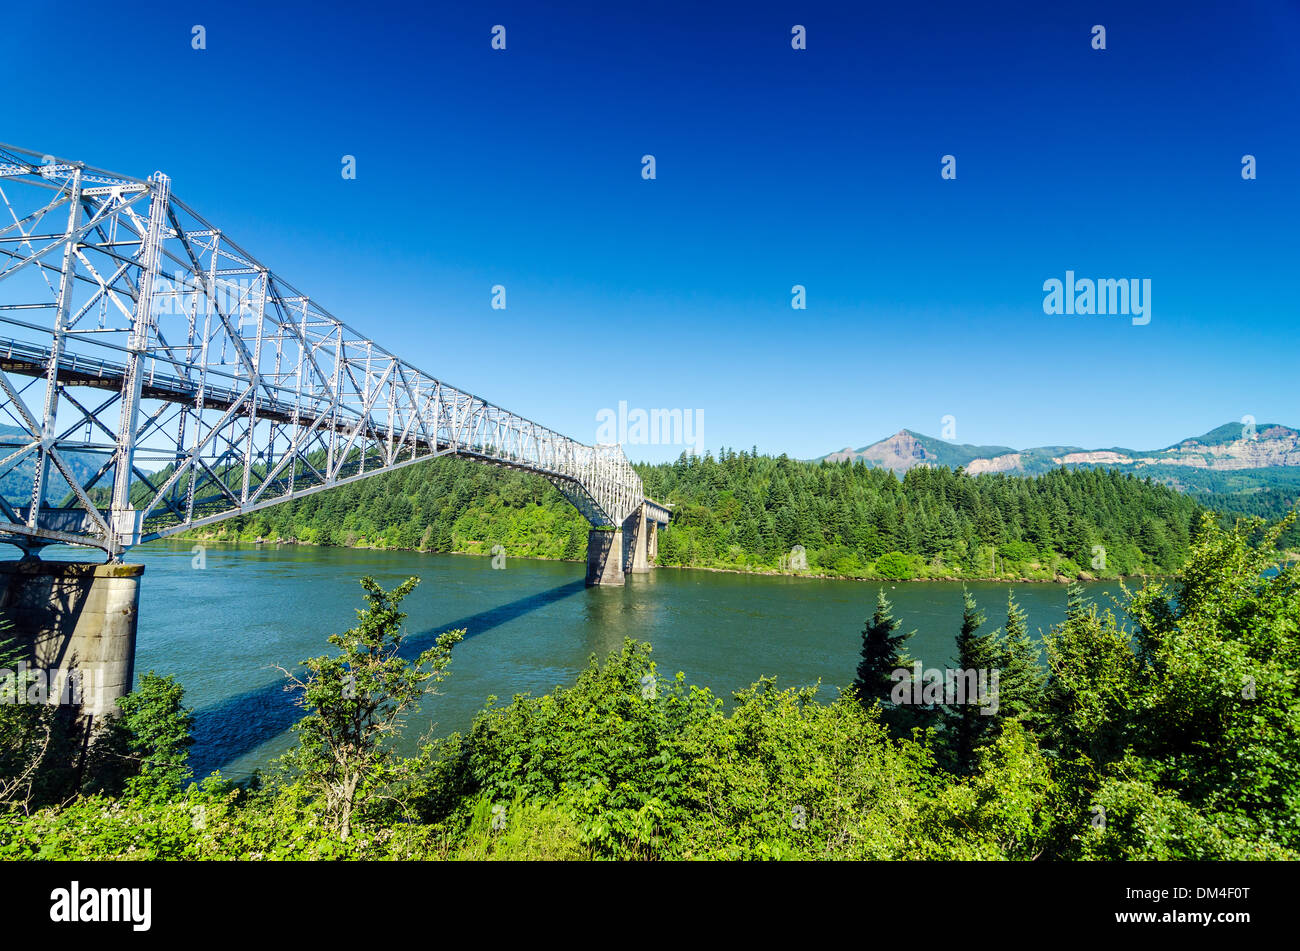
x=1074, y=605
x=1020, y=686
x=882, y=654
x=977, y=653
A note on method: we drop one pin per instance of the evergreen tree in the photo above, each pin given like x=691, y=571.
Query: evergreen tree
x=977, y=654
x=1074, y=604
x=882, y=654
x=576, y=546
x=1020, y=684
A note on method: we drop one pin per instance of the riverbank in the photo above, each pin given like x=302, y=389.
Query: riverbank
x=483, y=550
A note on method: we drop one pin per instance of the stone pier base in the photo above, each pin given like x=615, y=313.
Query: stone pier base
x=635, y=555
x=605, y=557
x=77, y=622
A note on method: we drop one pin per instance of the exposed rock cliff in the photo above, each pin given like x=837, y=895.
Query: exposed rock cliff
x=1233, y=446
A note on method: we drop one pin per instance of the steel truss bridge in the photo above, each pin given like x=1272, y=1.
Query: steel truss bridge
x=156, y=377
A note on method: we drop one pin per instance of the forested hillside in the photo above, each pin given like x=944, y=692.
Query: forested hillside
x=445, y=505
x=746, y=511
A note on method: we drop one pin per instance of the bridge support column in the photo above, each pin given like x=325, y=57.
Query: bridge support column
x=77, y=623
x=605, y=557
x=634, y=531
x=652, y=542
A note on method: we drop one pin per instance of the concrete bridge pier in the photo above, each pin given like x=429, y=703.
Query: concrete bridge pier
x=77, y=623
x=630, y=550
x=635, y=555
x=605, y=557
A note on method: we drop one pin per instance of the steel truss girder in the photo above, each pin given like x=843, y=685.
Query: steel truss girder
x=230, y=390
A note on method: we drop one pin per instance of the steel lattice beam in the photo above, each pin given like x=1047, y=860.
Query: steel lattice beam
x=223, y=389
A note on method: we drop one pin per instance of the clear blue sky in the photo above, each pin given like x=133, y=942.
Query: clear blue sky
x=775, y=167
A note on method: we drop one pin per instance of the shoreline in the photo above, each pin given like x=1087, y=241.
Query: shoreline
x=766, y=573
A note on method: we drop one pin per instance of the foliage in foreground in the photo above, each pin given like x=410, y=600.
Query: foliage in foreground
x=356, y=700
x=1170, y=731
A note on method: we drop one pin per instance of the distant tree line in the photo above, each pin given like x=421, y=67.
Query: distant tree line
x=445, y=505
x=746, y=511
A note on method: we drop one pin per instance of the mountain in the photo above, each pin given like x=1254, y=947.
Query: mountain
x=1230, y=448
x=906, y=449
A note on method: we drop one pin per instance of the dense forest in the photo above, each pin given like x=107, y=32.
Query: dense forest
x=1168, y=728
x=746, y=511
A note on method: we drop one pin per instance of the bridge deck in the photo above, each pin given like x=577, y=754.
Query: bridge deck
x=32, y=360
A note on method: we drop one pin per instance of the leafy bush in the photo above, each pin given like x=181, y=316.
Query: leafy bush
x=156, y=727
x=895, y=565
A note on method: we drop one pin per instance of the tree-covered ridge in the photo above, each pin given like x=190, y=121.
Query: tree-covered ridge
x=444, y=505
x=746, y=511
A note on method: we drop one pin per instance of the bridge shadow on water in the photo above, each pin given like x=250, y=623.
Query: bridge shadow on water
x=237, y=725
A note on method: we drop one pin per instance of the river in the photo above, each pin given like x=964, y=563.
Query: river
x=223, y=627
